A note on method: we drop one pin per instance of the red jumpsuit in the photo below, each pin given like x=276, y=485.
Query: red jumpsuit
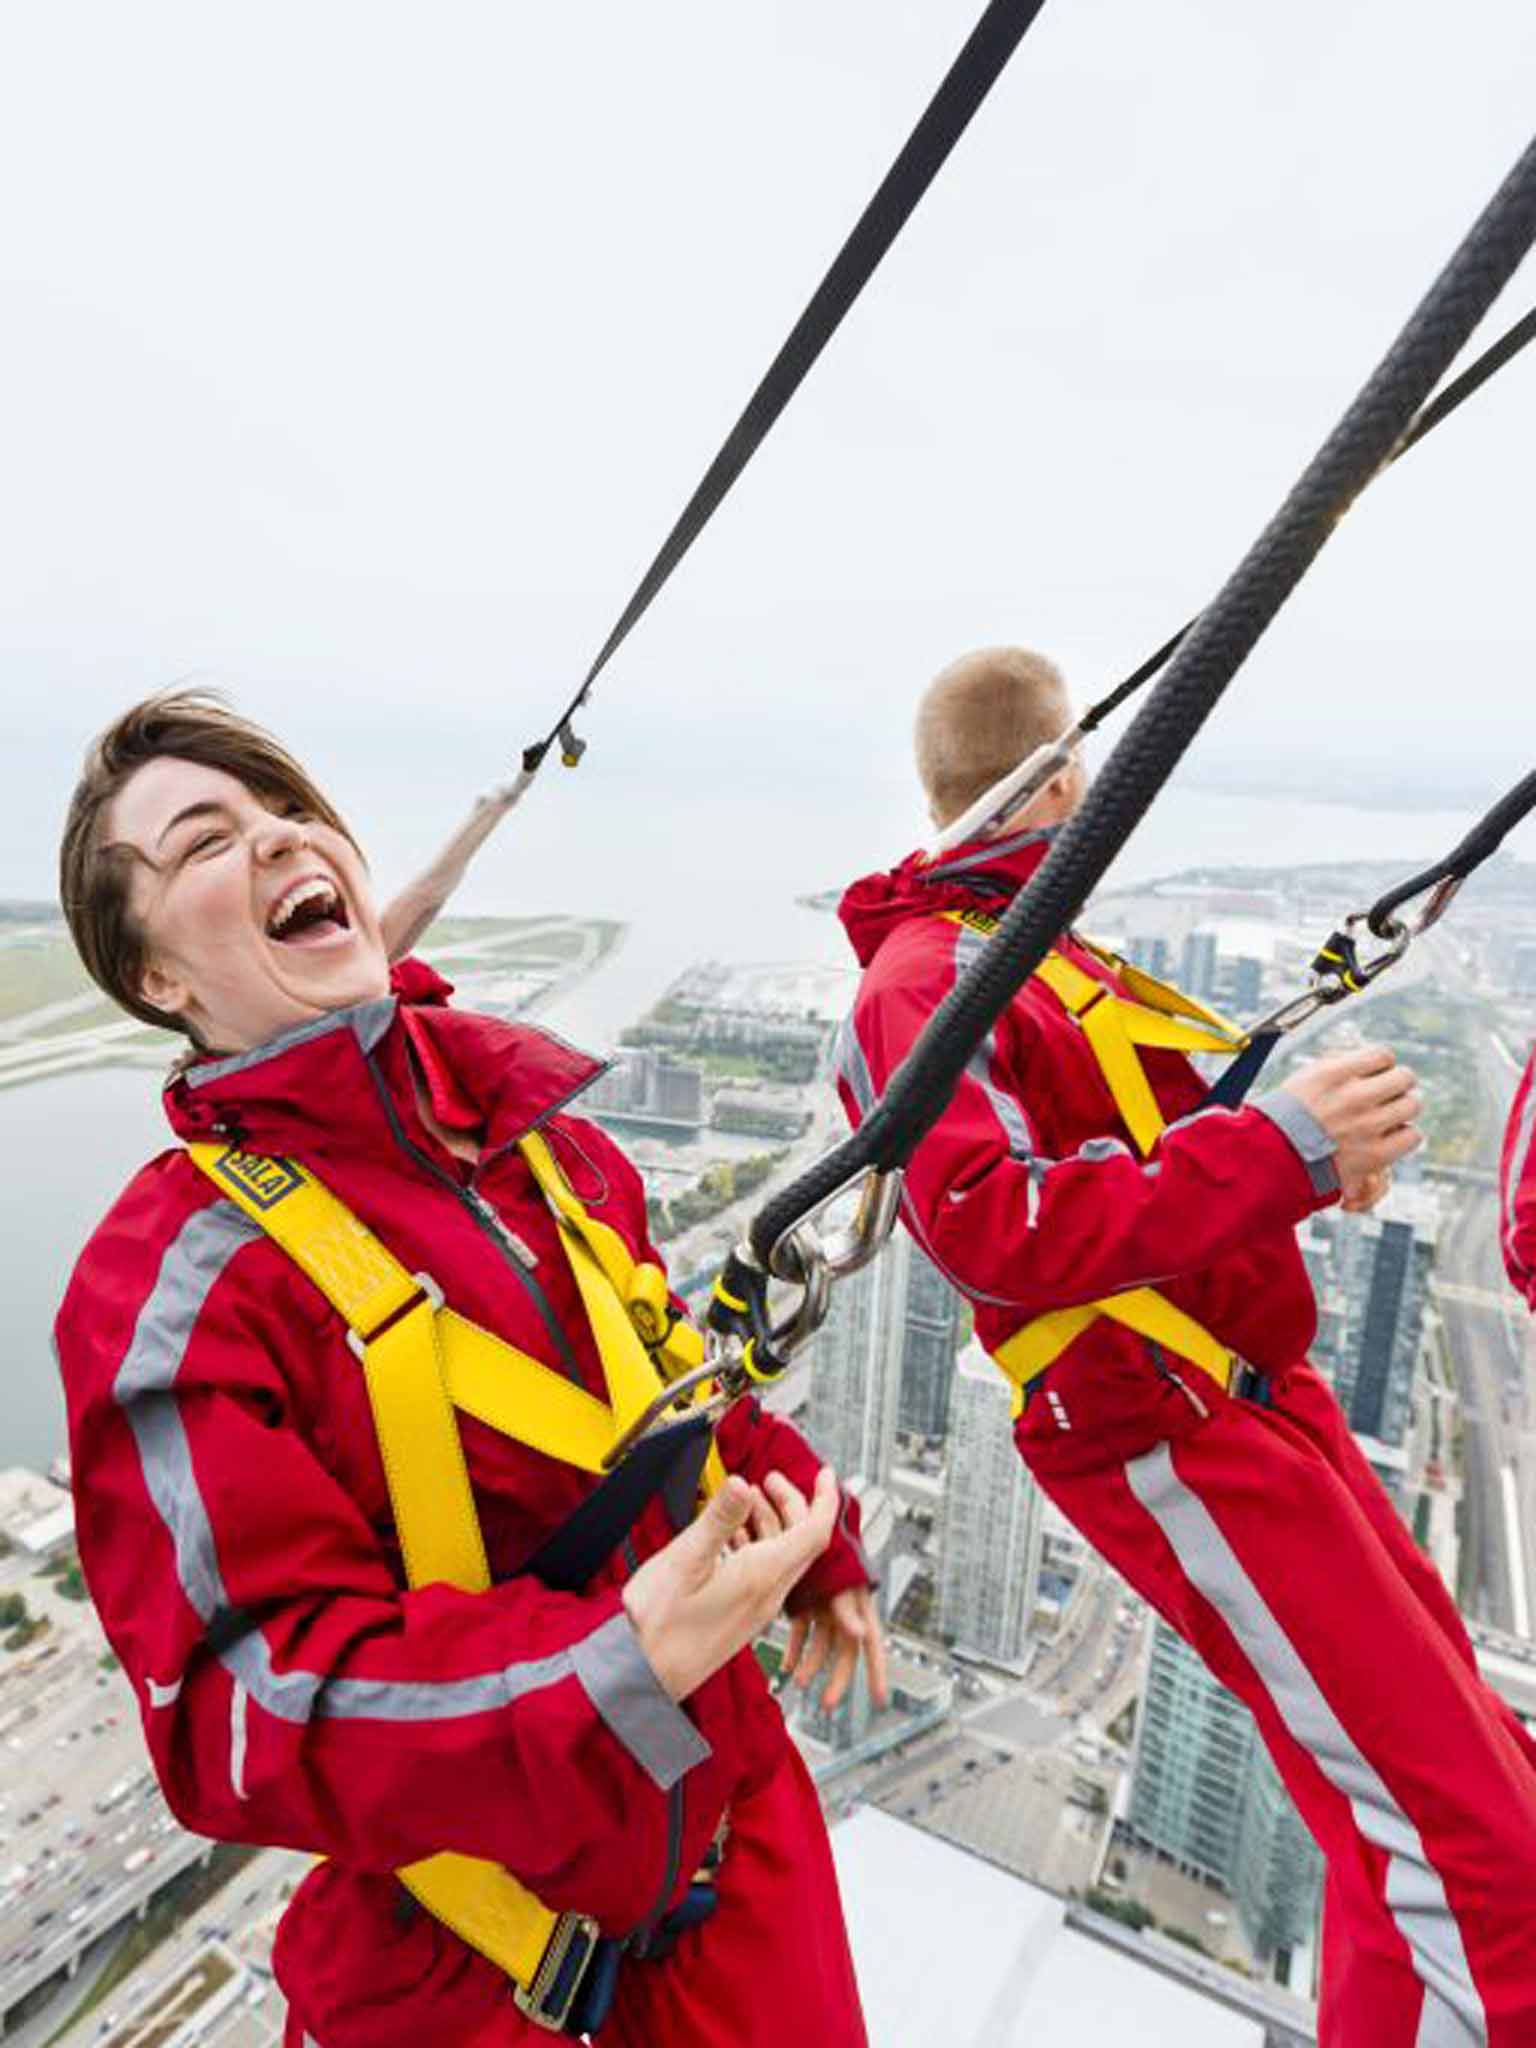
x=1258, y=1531
x=1517, y=1213
x=235, y=1530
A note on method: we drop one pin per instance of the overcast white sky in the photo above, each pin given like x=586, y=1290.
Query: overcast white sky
x=360, y=355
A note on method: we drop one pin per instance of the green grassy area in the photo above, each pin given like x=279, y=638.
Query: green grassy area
x=38, y=969
x=1432, y=1033
x=714, y=1191
x=1129, y=1912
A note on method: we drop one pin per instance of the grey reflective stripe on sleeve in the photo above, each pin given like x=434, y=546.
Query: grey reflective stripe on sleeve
x=1453, y=2014
x=145, y=1389
x=309, y=1695
x=367, y=1022
x=1519, y=1163
x=617, y=1678
x=194, y=1261
x=1314, y=1147
x=969, y=946
x=848, y=1056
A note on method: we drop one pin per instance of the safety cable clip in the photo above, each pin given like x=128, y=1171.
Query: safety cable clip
x=571, y=747
x=1338, y=970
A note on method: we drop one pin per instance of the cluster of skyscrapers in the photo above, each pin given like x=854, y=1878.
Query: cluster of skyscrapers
x=1202, y=970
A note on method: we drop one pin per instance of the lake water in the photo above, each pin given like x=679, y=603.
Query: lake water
x=68, y=1145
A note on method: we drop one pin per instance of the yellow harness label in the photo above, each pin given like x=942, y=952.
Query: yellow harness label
x=261, y=1180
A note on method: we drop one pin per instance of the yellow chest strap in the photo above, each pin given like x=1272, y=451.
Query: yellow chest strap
x=1116, y=1027
x=421, y=1362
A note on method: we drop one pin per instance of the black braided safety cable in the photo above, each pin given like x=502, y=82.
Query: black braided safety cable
x=1439, y=408
x=1207, y=660
x=948, y=114
x=1480, y=844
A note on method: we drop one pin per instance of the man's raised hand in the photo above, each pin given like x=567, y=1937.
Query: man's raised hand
x=1368, y=1105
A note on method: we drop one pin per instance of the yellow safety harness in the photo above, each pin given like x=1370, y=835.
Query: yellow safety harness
x=1117, y=1029
x=422, y=1361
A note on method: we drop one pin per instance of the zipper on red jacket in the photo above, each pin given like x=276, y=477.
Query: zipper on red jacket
x=657, y=1913
x=488, y=1221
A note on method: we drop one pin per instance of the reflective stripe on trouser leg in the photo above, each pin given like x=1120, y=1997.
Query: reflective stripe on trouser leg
x=1453, y=2015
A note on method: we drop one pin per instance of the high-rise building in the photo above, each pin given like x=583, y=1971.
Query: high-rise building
x=1197, y=965
x=1150, y=953
x=856, y=1367
x=932, y=1322
x=1247, y=986
x=650, y=1083
x=1205, y=1795
x=1388, y=1259
x=678, y=1089
x=992, y=1524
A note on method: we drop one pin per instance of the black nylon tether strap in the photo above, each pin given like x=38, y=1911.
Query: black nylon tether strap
x=948, y=114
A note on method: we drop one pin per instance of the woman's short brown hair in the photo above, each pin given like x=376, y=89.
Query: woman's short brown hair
x=95, y=875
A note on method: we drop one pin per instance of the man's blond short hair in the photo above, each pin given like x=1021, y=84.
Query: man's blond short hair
x=980, y=717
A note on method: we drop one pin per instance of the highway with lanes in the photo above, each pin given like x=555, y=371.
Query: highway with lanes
x=1488, y=1338
x=85, y=1837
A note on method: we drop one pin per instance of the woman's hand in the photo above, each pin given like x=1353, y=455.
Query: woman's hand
x=707, y=1594
x=833, y=1633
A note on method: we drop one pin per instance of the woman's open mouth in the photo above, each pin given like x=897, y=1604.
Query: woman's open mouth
x=309, y=913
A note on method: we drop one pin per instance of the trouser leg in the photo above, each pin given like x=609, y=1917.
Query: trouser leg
x=1307, y=1400
x=1251, y=1543
x=773, y=1963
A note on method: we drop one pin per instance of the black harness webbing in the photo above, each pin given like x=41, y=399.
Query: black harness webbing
x=668, y=1462
x=948, y=114
x=1231, y=1087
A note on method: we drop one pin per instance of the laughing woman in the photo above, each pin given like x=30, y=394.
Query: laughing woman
x=341, y=1365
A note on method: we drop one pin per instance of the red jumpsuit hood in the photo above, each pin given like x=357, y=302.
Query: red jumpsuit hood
x=987, y=872
x=269, y=1097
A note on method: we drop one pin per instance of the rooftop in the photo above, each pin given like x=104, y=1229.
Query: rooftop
x=951, y=1949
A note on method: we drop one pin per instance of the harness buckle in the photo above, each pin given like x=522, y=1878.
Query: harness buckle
x=1249, y=1384
x=427, y=1289
x=561, y=1976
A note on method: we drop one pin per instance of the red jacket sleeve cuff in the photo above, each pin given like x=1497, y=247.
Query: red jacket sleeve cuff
x=842, y=1564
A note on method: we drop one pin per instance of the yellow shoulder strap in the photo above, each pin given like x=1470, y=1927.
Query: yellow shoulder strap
x=366, y=1284
x=391, y=1316
x=1117, y=1028
x=1153, y=994
x=606, y=1273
